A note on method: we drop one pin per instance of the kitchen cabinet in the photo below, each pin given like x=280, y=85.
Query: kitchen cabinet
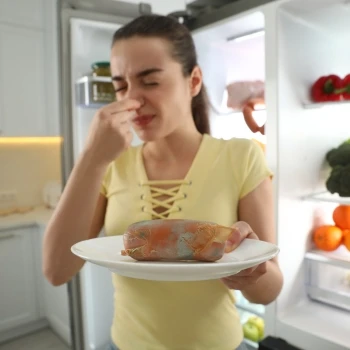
x=26, y=13
x=22, y=90
x=56, y=303
x=19, y=302
x=28, y=301
x=28, y=70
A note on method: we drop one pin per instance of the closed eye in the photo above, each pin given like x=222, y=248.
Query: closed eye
x=120, y=89
x=125, y=87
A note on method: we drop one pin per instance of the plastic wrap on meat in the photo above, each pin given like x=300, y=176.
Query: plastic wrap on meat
x=175, y=240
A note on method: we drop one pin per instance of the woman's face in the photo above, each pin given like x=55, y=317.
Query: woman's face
x=143, y=69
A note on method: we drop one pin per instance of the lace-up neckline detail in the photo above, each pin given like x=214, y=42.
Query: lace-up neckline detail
x=161, y=196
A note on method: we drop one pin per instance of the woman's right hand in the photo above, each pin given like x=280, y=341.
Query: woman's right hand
x=110, y=132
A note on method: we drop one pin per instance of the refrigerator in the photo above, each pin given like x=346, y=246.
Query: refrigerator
x=287, y=44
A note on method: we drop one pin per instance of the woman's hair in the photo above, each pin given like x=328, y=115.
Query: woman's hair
x=183, y=51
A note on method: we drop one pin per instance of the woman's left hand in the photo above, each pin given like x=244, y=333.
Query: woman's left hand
x=249, y=276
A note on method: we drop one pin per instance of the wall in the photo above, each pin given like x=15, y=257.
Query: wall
x=26, y=165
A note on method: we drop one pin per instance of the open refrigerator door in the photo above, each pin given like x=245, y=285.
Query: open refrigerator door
x=87, y=29
x=90, y=43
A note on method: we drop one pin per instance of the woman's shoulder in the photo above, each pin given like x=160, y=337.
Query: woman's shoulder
x=128, y=156
x=124, y=161
x=237, y=146
x=121, y=168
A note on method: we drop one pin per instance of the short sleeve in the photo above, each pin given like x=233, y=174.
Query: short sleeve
x=106, y=180
x=254, y=168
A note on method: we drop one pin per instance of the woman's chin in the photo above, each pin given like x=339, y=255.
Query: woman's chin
x=147, y=135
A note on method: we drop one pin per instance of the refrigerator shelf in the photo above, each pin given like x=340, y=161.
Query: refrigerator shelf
x=87, y=90
x=339, y=258
x=312, y=105
x=326, y=196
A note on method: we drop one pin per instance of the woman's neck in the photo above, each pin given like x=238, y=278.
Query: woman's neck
x=175, y=147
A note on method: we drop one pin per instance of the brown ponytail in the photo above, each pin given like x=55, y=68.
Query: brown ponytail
x=183, y=51
x=200, y=111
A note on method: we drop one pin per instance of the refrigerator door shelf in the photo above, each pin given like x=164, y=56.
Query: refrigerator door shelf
x=88, y=95
x=110, y=7
x=339, y=258
x=327, y=277
x=329, y=297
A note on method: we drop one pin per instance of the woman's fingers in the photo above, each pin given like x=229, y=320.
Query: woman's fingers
x=241, y=231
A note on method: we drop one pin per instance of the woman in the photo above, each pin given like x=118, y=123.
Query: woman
x=179, y=172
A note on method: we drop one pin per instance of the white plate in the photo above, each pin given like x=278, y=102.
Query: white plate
x=105, y=251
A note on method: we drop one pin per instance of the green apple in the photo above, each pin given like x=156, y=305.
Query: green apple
x=259, y=323
x=251, y=331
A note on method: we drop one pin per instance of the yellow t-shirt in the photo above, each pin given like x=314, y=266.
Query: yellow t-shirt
x=152, y=315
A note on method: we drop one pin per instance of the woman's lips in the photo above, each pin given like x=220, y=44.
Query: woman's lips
x=143, y=120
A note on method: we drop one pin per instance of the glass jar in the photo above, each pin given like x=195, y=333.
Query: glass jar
x=102, y=89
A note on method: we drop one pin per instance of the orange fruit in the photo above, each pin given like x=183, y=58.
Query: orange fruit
x=346, y=242
x=328, y=237
x=341, y=216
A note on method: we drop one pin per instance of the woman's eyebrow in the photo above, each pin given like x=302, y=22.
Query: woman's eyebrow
x=141, y=74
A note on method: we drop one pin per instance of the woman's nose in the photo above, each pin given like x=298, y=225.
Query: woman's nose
x=135, y=95
x=141, y=100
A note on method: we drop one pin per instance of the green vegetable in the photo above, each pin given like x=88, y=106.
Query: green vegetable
x=339, y=180
x=340, y=155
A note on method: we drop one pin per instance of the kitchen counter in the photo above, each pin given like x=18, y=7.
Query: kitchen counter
x=37, y=216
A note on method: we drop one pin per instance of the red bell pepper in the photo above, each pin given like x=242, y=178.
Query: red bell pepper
x=327, y=88
x=346, y=87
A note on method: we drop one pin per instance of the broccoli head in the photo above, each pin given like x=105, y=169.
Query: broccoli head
x=339, y=181
x=340, y=155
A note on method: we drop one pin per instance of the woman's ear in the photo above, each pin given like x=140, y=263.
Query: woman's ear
x=196, y=81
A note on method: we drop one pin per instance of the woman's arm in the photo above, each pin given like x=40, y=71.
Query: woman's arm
x=263, y=283
x=78, y=216
x=81, y=210
x=256, y=209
